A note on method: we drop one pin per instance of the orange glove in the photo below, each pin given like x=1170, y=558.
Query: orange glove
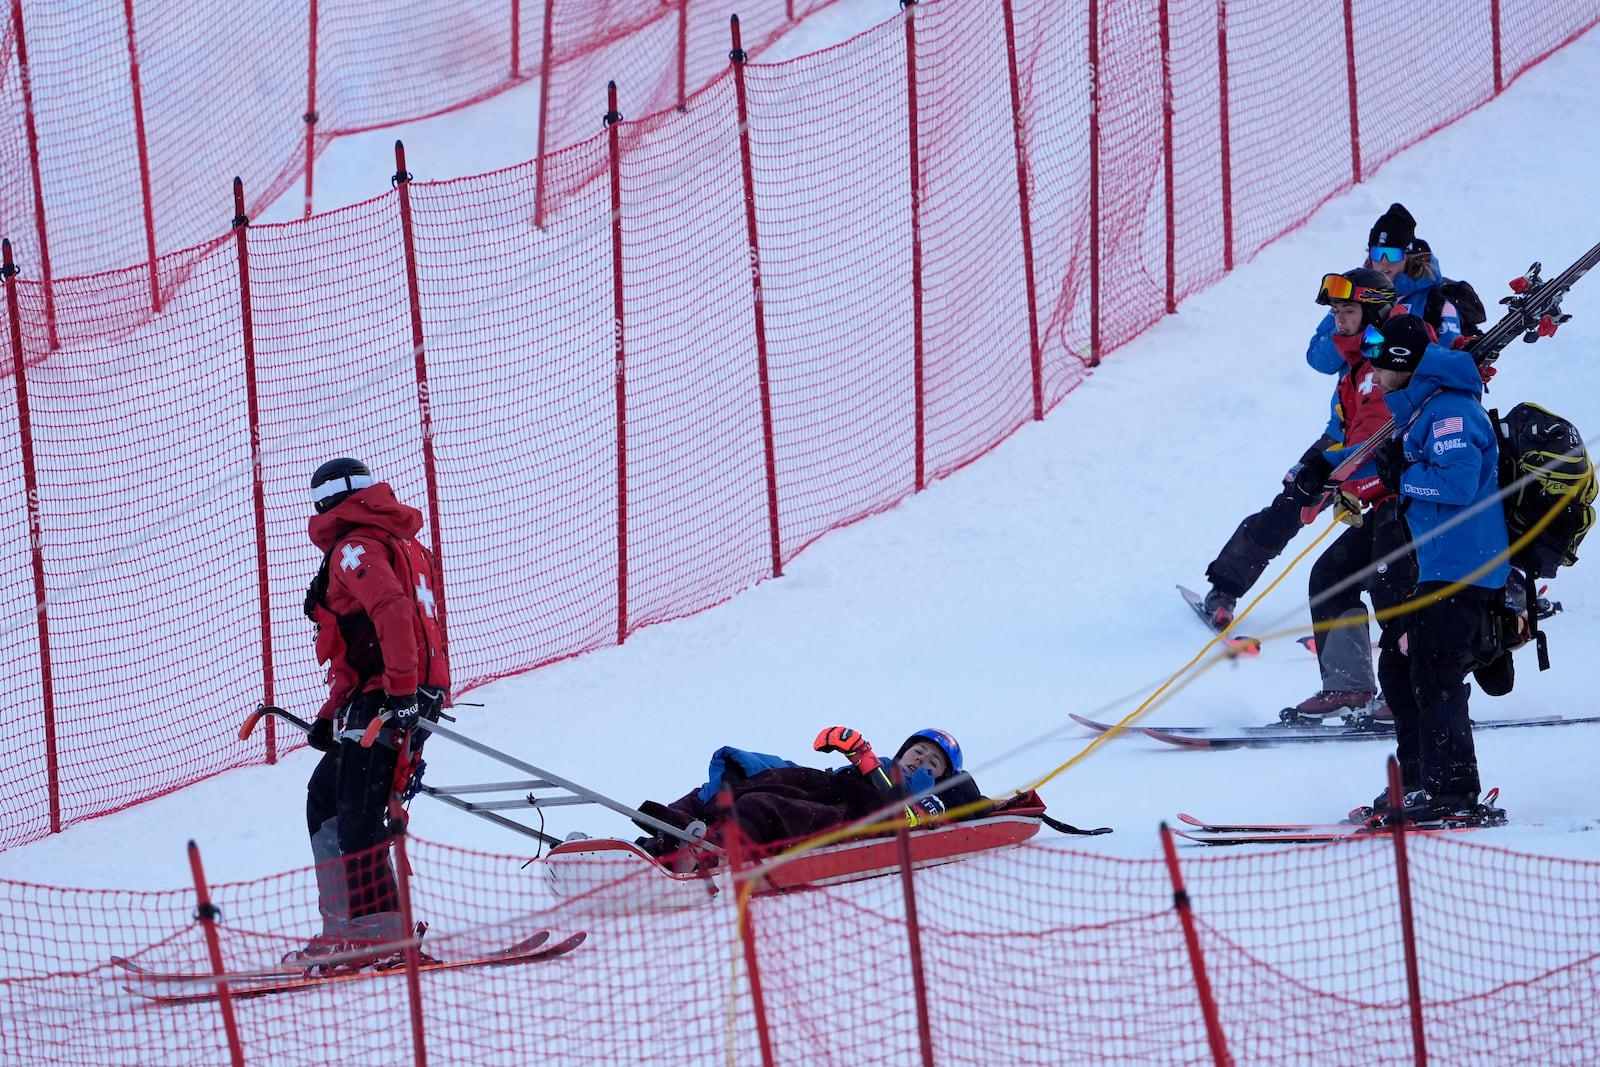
x=847, y=741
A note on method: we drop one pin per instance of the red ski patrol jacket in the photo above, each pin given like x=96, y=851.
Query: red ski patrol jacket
x=1359, y=412
x=375, y=600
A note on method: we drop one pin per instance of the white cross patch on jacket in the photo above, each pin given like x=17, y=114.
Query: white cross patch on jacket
x=425, y=597
x=350, y=556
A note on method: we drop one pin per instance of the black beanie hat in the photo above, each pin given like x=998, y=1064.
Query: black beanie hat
x=1405, y=338
x=1395, y=228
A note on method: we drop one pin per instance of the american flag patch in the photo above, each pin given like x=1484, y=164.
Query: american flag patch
x=1444, y=426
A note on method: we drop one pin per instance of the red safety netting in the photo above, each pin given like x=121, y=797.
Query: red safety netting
x=1036, y=955
x=532, y=446
x=625, y=415
x=144, y=112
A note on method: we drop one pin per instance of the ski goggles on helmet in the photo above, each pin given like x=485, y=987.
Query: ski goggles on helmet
x=1338, y=287
x=1386, y=254
x=1371, y=343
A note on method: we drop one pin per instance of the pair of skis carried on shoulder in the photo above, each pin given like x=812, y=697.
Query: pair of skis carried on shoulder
x=1533, y=310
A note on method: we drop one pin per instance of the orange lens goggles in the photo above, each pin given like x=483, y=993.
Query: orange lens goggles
x=1336, y=287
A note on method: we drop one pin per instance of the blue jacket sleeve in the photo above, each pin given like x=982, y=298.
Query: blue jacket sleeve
x=749, y=763
x=1321, y=355
x=1449, y=324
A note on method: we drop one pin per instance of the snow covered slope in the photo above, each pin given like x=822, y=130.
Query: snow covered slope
x=1038, y=581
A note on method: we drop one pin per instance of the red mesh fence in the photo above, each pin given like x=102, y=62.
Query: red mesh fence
x=602, y=380
x=832, y=201
x=1036, y=955
x=532, y=444
x=201, y=98
x=1055, y=93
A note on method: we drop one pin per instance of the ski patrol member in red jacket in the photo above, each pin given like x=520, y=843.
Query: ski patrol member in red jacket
x=379, y=612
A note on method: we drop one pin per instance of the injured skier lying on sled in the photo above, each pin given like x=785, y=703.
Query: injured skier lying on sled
x=771, y=799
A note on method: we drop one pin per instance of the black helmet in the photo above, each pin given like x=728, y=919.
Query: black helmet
x=337, y=479
x=1398, y=345
x=1370, y=288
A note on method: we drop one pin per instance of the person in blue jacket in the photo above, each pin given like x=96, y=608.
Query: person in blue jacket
x=1443, y=465
x=1450, y=307
x=1355, y=300
x=1348, y=568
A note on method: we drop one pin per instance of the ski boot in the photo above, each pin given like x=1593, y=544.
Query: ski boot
x=396, y=959
x=314, y=952
x=1375, y=715
x=1312, y=710
x=1218, y=609
x=1375, y=814
x=1424, y=808
x=1454, y=809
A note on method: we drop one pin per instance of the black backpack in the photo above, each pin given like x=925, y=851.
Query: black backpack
x=1544, y=453
x=1470, y=311
x=1549, y=487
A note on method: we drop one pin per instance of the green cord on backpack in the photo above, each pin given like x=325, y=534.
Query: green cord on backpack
x=1544, y=469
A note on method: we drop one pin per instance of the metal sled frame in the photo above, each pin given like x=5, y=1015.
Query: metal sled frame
x=568, y=793
x=565, y=792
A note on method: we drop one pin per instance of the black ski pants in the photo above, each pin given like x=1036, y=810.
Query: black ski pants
x=353, y=784
x=1346, y=569
x=1427, y=689
x=1256, y=543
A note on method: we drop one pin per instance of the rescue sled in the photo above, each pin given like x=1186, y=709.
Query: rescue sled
x=621, y=874
x=852, y=861
x=627, y=876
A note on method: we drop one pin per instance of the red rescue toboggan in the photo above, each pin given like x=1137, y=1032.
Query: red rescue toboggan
x=609, y=866
x=585, y=866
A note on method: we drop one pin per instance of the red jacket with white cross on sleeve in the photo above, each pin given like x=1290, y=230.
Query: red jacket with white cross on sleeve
x=379, y=619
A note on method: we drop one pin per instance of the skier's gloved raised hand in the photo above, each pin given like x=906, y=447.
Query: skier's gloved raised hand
x=840, y=739
x=1390, y=459
x=320, y=736
x=851, y=744
x=403, y=711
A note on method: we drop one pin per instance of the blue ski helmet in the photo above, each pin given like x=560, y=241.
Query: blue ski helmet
x=952, y=750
